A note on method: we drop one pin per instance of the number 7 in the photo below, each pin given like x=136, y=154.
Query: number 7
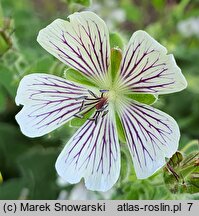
x=190, y=204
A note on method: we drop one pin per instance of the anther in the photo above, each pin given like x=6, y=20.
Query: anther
x=82, y=105
x=93, y=94
x=104, y=113
x=103, y=91
x=79, y=116
x=80, y=98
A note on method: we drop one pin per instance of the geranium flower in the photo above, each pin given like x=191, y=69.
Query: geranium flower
x=93, y=153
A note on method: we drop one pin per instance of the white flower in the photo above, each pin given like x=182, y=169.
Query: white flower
x=110, y=11
x=189, y=27
x=79, y=192
x=93, y=153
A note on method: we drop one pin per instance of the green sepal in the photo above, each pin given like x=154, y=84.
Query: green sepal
x=76, y=76
x=187, y=171
x=127, y=167
x=176, y=159
x=116, y=40
x=194, y=182
x=143, y=98
x=191, y=147
x=78, y=122
x=183, y=174
x=116, y=57
x=120, y=129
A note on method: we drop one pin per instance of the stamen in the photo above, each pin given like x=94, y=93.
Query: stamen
x=95, y=117
x=84, y=113
x=93, y=99
x=102, y=92
x=91, y=103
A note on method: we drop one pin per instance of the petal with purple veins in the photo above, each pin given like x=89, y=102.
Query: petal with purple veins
x=82, y=43
x=93, y=154
x=147, y=68
x=151, y=135
x=49, y=102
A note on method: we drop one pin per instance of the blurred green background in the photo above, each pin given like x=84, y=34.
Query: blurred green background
x=27, y=165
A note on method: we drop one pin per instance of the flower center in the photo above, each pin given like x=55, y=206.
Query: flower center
x=116, y=97
x=112, y=95
x=91, y=102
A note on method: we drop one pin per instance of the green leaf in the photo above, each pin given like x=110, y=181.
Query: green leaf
x=12, y=145
x=180, y=8
x=143, y=98
x=37, y=167
x=193, y=81
x=158, y=4
x=116, y=40
x=1, y=17
x=47, y=64
x=4, y=44
x=75, y=76
x=43, y=65
x=1, y=178
x=85, y=3
x=7, y=79
x=133, y=12
x=2, y=100
x=12, y=189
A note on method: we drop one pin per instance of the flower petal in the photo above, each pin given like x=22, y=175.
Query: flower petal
x=146, y=67
x=49, y=102
x=82, y=43
x=151, y=136
x=92, y=153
